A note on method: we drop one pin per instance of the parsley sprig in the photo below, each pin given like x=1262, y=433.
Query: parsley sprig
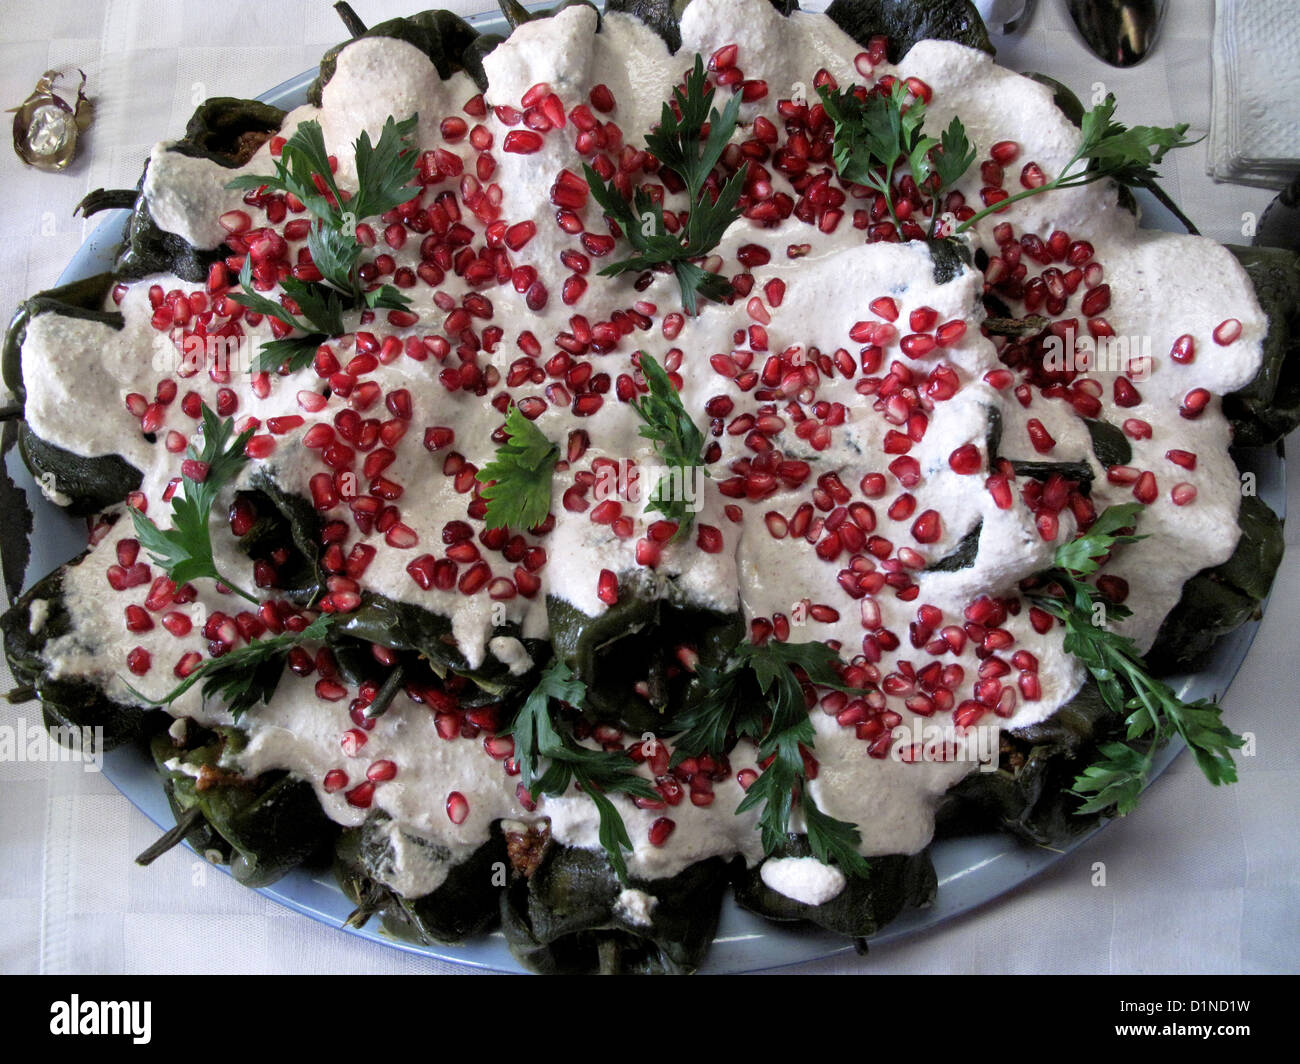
x=873, y=136
x=677, y=441
x=185, y=550
x=247, y=675
x=759, y=696
x=597, y=772
x=518, y=479
x=384, y=171
x=1128, y=154
x=321, y=308
x=1152, y=711
x=682, y=145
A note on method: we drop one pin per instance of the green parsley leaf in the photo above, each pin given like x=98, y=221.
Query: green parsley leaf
x=682, y=146
x=873, y=134
x=1152, y=710
x=1127, y=154
x=184, y=551
x=759, y=696
x=597, y=772
x=677, y=441
x=246, y=675
x=518, y=479
x=954, y=156
x=384, y=172
x=1081, y=555
x=295, y=351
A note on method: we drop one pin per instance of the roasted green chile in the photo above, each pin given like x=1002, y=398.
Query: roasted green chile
x=1220, y=599
x=635, y=642
x=1028, y=793
x=89, y=484
x=65, y=701
x=866, y=903
x=447, y=39
x=1269, y=406
x=905, y=22
x=565, y=917
x=464, y=905
x=270, y=823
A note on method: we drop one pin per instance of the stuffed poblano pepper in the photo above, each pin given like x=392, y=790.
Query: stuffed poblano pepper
x=39, y=620
x=565, y=911
x=82, y=484
x=386, y=872
x=792, y=885
x=262, y=826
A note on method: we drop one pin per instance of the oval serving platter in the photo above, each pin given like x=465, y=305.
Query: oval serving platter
x=972, y=870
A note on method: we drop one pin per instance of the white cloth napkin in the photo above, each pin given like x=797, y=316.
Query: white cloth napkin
x=1255, y=127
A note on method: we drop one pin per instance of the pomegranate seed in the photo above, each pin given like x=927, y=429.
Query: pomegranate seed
x=1227, y=331
x=522, y=142
x=361, y=795
x=607, y=587
x=1005, y=151
x=966, y=459
x=1194, y=403
x=457, y=807
x=660, y=830
x=1145, y=490
x=381, y=771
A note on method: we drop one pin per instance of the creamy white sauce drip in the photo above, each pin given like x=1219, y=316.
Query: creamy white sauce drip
x=1163, y=286
x=803, y=879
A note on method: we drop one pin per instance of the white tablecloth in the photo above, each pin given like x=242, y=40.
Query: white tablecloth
x=1197, y=880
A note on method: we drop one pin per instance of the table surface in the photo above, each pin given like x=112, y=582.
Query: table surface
x=1195, y=881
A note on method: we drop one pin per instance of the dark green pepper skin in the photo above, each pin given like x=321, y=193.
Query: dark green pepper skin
x=224, y=130
x=65, y=701
x=665, y=16
x=1027, y=795
x=149, y=249
x=905, y=23
x=1224, y=597
x=272, y=823
x=92, y=484
x=662, y=16
x=516, y=14
x=1269, y=406
x=563, y=918
x=948, y=258
x=201, y=837
x=16, y=529
x=403, y=626
x=1109, y=443
x=865, y=905
x=441, y=35
x=633, y=641
x=289, y=517
x=961, y=556
x=228, y=131
x=465, y=905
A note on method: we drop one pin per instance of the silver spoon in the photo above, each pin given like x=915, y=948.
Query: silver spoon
x=1121, y=32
